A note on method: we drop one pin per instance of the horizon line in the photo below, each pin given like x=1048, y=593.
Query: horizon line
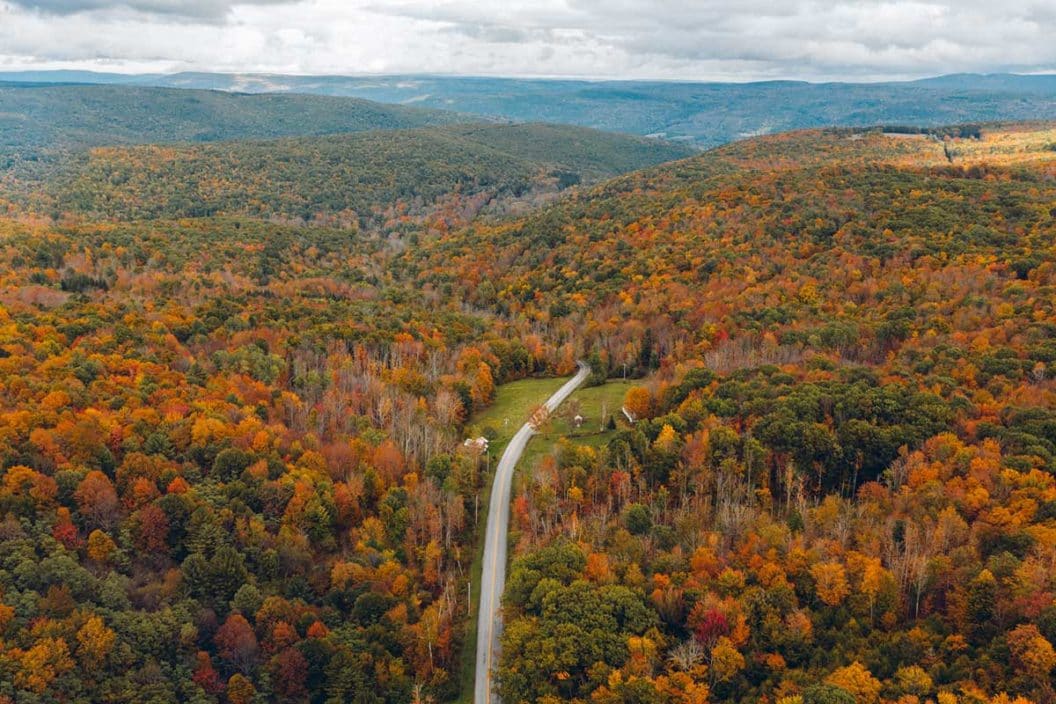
x=526, y=77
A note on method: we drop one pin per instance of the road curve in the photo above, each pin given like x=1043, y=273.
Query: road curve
x=493, y=575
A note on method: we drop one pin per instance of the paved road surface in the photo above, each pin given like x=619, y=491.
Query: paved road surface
x=493, y=576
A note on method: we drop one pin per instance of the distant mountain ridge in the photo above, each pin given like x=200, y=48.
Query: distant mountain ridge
x=704, y=114
x=42, y=115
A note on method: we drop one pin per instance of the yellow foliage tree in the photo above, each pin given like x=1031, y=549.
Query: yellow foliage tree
x=637, y=401
x=726, y=660
x=642, y=656
x=41, y=664
x=95, y=641
x=1032, y=652
x=240, y=690
x=858, y=681
x=100, y=546
x=667, y=439
x=830, y=579
x=913, y=680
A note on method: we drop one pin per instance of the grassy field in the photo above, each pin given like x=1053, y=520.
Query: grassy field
x=589, y=402
x=512, y=405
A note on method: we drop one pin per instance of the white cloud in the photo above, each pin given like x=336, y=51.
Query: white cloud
x=192, y=9
x=709, y=40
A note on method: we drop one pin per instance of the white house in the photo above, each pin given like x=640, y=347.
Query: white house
x=480, y=443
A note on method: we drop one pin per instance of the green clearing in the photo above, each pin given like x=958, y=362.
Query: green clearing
x=515, y=401
x=588, y=402
x=510, y=410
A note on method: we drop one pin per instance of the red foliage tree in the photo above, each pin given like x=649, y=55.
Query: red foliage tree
x=710, y=626
x=97, y=500
x=289, y=672
x=237, y=643
x=152, y=530
x=205, y=675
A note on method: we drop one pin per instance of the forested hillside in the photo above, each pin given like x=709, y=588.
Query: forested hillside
x=46, y=128
x=704, y=114
x=36, y=116
x=229, y=465
x=347, y=177
x=842, y=486
x=232, y=467
x=220, y=435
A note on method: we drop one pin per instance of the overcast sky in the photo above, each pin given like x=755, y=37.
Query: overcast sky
x=672, y=39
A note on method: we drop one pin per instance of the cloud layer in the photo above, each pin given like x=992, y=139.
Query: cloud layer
x=702, y=40
x=189, y=9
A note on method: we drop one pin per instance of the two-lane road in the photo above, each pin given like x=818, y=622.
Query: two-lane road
x=493, y=575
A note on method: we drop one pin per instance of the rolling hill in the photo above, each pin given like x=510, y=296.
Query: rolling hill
x=36, y=116
x=705, y=114
x=731, y=214
x=847, y=339
x=231, y=447
x=362, y=173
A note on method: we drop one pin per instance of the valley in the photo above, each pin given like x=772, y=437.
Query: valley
x=237, y=376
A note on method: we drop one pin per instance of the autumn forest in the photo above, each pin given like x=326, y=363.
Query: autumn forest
x=236, y=375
